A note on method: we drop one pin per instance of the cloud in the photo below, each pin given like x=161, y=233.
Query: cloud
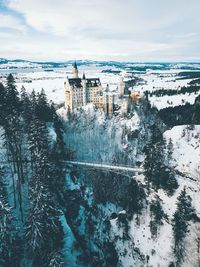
x=100, y=29
x=12, y=23
x=63, y=17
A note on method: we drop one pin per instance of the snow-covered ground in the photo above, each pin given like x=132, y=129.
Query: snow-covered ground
x=172, y=101
x=186, y=141
x=53, y=81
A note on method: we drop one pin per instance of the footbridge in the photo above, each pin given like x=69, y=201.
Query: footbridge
x=92, y=165
x=104, y=166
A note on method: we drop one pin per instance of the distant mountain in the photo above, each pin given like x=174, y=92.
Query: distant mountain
x=129, y=66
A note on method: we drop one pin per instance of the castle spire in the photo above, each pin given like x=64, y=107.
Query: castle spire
x=75, y=70
x=75, y=65
x=83, y=76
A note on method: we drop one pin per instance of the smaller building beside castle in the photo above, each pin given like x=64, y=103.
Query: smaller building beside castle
x=82, y=91
x=121, y=87
x=126, y=91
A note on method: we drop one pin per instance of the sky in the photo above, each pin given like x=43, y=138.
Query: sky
x=120, y=30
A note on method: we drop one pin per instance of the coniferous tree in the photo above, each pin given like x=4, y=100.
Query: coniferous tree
x=57, y=123
x=5, y=226
x=26, y=137
x=56, y=260
x=135, y=197
x=33, y=103
x=43, y=225
x=157, y=172
x=154, y=159
x=14, y=135
x=26, y=110
x=37, y=139
x=43, y=109
x=157, y=216
x=180, y=221
x=43, y=230
x=2, y=104
x=170, y=149
x=12, y=96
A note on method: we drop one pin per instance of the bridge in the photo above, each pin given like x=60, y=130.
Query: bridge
x=104, y=166
x=95, y=165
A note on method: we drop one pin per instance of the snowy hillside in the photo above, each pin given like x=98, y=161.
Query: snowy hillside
x=94, y=138
x=186, y=140
x=185, y=159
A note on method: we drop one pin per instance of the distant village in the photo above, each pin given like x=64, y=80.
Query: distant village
x=81, y=91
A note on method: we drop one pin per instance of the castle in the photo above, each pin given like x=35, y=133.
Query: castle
x=81, y=91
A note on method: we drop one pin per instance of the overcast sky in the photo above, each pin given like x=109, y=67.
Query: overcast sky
x=124, y=30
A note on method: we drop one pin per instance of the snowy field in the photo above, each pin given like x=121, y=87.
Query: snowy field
x=53, y=81
x=172, y=101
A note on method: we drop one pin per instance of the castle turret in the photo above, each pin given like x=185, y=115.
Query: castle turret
x=111, y=105
x=75, y=70
x=84, y=89
x=121, y=87
x=68, y=95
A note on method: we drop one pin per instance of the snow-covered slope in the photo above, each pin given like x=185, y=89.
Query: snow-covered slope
x=186, y=158
x=186, y=155
x=95, y=138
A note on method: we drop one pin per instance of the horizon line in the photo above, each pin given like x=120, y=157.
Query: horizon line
x=96, y=60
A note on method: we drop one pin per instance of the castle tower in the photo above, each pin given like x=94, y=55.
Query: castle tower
x=75, y=71
x=84, y=89
x=121, y=87
x=68, y=96
x=110, y=105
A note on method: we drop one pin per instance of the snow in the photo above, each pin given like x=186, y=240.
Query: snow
x=185, y=155
x=2, y=149
x=146, y=244
x=172, y=101
x=94, y=138
x=186, y=148
x=70, y=185
x=53, y=81
x=52, y=133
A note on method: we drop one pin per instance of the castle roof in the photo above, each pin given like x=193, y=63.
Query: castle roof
x=90, y=82
x=76, y=82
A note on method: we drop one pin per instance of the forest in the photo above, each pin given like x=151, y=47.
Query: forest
x=183, y=114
